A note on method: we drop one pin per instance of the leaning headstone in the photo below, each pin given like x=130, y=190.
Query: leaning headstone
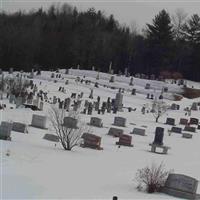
x=138, y=131
x=70, y=122
x=181, y=186
x=170, y=121
x=120, y=121
x=19, y=127
x=115, y=132
x=39, y=121
x=95, y=121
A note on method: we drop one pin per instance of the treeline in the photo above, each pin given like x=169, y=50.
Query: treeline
x=63, y=37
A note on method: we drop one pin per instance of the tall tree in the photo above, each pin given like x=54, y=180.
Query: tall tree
x=160, y=38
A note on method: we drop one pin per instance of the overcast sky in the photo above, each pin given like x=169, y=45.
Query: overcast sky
x=127, y=11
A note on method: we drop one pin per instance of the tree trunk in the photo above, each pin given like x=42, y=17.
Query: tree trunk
x=157, y=119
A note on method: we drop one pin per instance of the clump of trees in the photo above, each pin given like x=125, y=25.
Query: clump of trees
x=64, y=37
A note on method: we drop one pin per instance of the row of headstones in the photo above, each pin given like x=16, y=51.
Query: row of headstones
x=25, y=100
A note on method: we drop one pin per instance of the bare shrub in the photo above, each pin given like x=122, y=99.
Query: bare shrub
x=152, y=178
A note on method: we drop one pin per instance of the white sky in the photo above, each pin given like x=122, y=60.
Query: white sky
x=141, y=12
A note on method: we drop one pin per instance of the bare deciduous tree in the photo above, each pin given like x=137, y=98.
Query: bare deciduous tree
x=68, y=137
x=158, y=108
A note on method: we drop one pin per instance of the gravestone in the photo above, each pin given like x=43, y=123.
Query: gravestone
x=170, y=121
x=176, y=130
x=125, y=140
x=67, y=104
x=175, y=107
x=54, y=100
x=70, y=122
x=115, y=132
x=181, y=186
x=138, y=131
x=194, y=106
x=190, y=129
x=5, y=130
x=112, y=79
x=147, y=86
x=91, y=141
x=165, y=89
x=18, y=102
x=90, y=108
x=91, y=94
x=81, y=95
x=194, y=121
x=119, y=101
x=39, y=121
x=41, y=105
x=97, y=104
x=187, y=135
x=51, y=137
x=97, y=77
x=159, y=134
x=95, y=121
x=19, y=127
x=120, y=121
x=12, y=98
x=133, y=92
x=131, y=81
x=183, y=121
x=35, y=102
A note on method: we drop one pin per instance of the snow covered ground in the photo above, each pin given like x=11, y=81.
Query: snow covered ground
x=38, y=169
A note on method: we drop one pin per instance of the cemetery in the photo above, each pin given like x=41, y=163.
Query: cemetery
x=107, y=116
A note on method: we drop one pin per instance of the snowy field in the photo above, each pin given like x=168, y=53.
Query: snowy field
x=37, y=169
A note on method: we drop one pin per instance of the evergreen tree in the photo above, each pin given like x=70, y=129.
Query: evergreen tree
x=160, y=38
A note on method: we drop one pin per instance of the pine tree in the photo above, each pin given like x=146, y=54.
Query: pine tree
x=160, y=38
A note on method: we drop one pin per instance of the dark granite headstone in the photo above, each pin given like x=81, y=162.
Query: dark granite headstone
x=159, y=134
x=170, y=121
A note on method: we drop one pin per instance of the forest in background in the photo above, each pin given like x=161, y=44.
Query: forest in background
x=63, y=37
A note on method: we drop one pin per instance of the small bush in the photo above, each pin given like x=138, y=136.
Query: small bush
x=151, y=178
